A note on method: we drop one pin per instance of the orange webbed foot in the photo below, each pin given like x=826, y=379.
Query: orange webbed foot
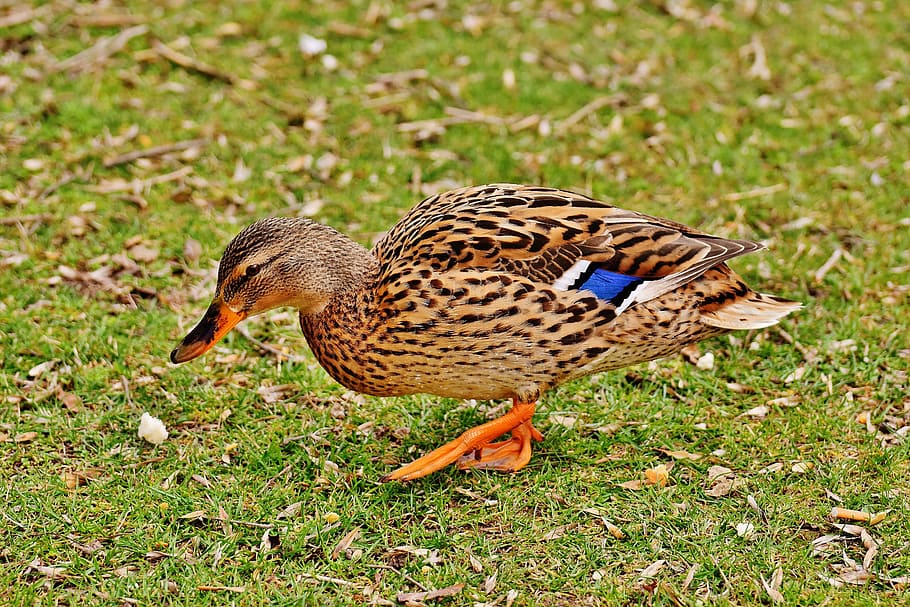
x=507, y=455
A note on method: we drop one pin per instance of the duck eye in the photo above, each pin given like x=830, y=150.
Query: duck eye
x=252, y=270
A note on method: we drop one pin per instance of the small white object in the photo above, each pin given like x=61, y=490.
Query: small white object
x=705, y=361
x=745, y=530
x=330, y=62
x=152, y=429
x=311, y=46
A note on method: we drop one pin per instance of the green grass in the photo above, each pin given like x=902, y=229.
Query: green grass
x=685, y=129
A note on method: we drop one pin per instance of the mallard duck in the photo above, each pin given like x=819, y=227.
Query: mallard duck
x=487, y=292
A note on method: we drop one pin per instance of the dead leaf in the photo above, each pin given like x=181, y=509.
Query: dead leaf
x=345, y=543
x=633, y=485
x=557, y=532
x=653, y=569
x=142, y=253
x=427, y=595
x=759, y=412
x=268, y=541
x=567, y=421
x=290, y=511
x=71, y=402
x=717, y=471
x=681, y=454
x=802, y=467
x=772, y=586
x=658, y=475
x=722, y=481
x=54, y=573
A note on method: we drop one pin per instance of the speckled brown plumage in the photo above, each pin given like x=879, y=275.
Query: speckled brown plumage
x=497, y=291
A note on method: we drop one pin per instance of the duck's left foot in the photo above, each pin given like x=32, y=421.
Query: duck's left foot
x=505, y=456
x=475, y=445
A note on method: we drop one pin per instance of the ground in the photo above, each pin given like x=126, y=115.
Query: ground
x=673, y=483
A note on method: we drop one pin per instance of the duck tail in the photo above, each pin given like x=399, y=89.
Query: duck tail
x=753, y=311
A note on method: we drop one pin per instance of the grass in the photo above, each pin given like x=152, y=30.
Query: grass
x=272, y=468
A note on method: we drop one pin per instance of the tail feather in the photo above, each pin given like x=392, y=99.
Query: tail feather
x=755, y=311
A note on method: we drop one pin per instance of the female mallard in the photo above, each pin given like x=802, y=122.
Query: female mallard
x=488, y=292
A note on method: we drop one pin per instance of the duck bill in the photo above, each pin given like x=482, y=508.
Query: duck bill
x=218, y=320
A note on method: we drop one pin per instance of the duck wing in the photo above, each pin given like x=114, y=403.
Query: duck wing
x=555, y=238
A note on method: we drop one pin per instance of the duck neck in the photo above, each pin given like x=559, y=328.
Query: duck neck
x=358, y=270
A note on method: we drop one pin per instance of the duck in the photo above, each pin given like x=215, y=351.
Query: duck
x=487, y=292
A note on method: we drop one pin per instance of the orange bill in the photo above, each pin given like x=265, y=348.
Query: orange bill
x=218, y=320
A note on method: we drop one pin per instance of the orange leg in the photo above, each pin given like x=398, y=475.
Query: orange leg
x=473, y=448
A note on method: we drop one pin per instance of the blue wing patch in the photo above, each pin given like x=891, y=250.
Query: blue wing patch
x=610, y=286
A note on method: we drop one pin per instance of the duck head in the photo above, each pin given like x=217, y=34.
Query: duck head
x=278, y=261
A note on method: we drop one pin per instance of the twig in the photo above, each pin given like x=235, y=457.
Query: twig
x=101, y=50
x=126, y=390
x=106, y=20
x=68, y=178
x=586, y=110
x=158, y=150
x=828, y=265
x=271, y=482
x=331, y=580
x=473, y=116
x=770, y=189
x=140, y=184
x=17, y=219
x=269, y=348
x=251, y=524
x=220, y=588
x=807, y=355
x=399, y=572
x=191, y=64
x=21, y=16
x=432, y=123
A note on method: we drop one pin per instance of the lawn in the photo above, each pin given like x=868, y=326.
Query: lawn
x=137, y=138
